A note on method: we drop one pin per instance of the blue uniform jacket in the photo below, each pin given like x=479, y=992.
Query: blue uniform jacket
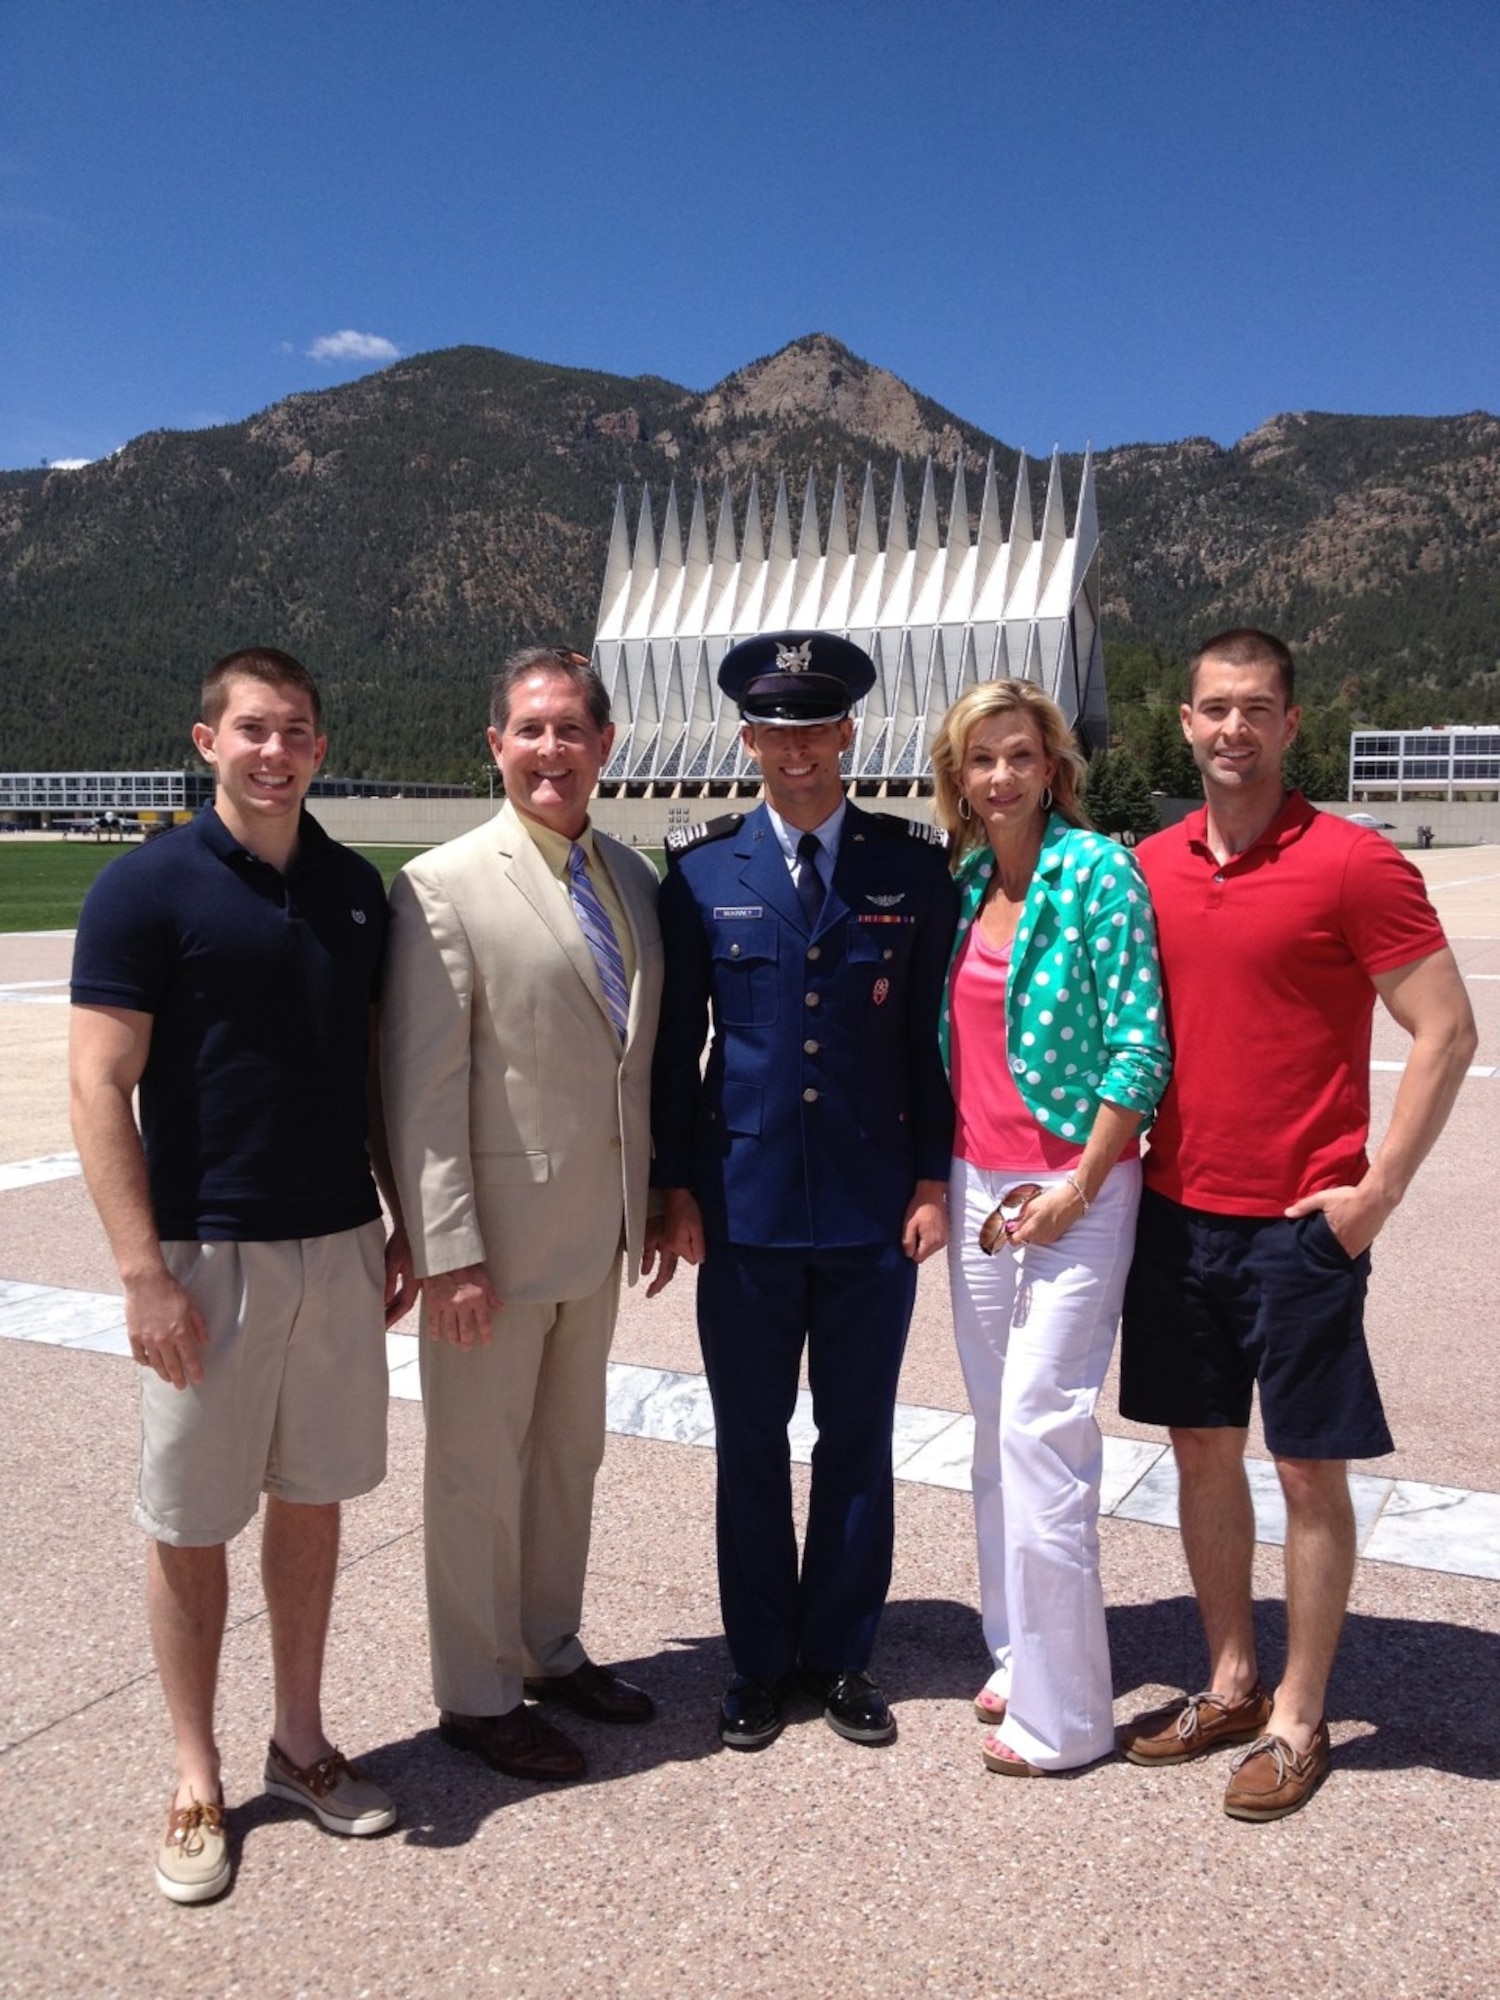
x=824, y=1100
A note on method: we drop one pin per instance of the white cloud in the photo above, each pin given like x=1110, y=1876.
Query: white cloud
x=68, y=464
x=348, y=345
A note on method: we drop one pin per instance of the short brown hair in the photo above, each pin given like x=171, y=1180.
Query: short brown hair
x=566, y=665
x=1247, y=646
x=256, y=663
x=978, y=705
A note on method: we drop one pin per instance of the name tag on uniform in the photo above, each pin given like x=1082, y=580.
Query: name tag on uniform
x=740, y=910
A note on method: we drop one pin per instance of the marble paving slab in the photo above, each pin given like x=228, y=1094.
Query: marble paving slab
x=1127, y=1461
x=1438, y=1527
x=60, y=1318
x=16, y=1174
x=401, y=1351
x=802, y=1431
x=12, y=1289
x=659, y=1403
x=1484, y=1072
x=1407, y=1522
x=916, y=1427
x=105, y=1340
x=1154, y=1500
x=945, y=1458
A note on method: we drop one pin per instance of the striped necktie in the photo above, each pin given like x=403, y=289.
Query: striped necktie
x=593, y=921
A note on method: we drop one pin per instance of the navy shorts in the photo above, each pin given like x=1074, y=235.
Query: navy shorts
x=1216, y=1304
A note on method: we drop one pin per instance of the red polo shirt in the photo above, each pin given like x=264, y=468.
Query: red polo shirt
x=1267, y=962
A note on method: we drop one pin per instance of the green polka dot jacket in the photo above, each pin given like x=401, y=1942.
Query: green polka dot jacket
x=1084, y=1017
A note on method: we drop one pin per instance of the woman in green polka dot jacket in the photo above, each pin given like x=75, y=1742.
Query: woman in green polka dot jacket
x=1054, y=1036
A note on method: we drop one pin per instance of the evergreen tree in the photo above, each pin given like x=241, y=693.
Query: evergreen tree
x=1165, y=759
x=1118, y=798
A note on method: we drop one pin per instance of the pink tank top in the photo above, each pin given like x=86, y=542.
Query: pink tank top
x=993, y=1127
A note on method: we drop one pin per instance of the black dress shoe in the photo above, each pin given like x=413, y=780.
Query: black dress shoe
x=596, y=1692
x=520, y=1744
x=853, y=1706
x=750, y=1714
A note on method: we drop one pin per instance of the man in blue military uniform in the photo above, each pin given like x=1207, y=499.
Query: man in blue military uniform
x=805, y=1169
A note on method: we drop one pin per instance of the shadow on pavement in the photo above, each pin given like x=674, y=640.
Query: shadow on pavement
x=1427, y=1690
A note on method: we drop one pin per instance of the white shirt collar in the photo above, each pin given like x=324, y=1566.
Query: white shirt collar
x=827, y=834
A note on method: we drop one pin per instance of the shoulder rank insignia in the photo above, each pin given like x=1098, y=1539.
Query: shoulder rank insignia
x=684, y=838
x=896, y=827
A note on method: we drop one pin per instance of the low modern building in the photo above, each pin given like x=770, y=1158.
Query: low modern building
x=150, y=795
x=51, y=798
x=1451, y=764
x=936, y=612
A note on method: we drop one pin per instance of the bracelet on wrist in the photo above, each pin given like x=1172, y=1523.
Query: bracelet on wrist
x=1073, y=1182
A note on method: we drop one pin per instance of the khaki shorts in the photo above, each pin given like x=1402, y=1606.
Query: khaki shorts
x=294, y=1393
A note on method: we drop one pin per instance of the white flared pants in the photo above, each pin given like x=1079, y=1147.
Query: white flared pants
x=1035, y=1330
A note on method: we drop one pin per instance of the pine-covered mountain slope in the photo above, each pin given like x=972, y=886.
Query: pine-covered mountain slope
x=403, y=531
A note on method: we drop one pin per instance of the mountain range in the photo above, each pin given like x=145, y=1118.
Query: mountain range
x=403, y=531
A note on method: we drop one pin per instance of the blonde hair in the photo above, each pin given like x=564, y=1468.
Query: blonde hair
x=979, y=704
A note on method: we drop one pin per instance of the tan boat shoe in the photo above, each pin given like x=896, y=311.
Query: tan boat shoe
x=192, y=1863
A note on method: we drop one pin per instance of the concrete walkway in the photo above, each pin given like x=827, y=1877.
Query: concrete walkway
x=815, y=1868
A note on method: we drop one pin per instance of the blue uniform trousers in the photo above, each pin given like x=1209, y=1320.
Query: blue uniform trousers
x=756, y=1308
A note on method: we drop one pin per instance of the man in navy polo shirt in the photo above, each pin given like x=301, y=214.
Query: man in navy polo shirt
x=230, y=971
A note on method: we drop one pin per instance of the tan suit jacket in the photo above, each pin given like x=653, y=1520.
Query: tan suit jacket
x=520, y=1137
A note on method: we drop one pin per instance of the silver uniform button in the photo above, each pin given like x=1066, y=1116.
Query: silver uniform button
x=809, y=1097
x=887, y=954
x=810, y=1000
x=734, y=951
x=815, y=951
x=809, y=1048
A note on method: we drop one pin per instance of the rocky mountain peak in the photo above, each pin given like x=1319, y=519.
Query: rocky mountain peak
x=817, y=380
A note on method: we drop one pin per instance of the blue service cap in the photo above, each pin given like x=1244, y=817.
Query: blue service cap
x=796, y=677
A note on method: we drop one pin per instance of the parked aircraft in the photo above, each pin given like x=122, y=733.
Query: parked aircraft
x=103, y=826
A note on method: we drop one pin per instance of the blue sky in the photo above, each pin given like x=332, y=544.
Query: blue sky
x=1070, y=221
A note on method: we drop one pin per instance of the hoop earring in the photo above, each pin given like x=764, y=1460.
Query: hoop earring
x=965, y=810
x=1046, y=798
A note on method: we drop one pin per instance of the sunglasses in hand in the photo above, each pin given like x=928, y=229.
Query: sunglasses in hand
x=995, y=1231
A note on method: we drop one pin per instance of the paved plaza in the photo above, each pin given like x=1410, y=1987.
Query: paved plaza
x=817, y=1867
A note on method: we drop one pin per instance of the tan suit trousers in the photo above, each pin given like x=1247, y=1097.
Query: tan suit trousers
x=510, y=1496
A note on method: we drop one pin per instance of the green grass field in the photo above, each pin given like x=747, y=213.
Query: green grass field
x=43, y=882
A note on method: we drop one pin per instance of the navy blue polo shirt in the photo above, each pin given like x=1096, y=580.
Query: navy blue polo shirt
x=259, y=984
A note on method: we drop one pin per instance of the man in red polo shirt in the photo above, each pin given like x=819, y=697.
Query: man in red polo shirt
x=1278, y=927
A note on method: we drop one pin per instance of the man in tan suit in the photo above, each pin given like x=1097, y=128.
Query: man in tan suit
x=518, y=1015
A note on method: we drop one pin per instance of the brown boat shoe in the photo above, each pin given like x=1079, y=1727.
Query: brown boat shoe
x=1269, y=1780
x=1193, y=1725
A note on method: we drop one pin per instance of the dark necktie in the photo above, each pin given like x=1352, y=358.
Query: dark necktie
x=809, y=881
x=599, y=932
